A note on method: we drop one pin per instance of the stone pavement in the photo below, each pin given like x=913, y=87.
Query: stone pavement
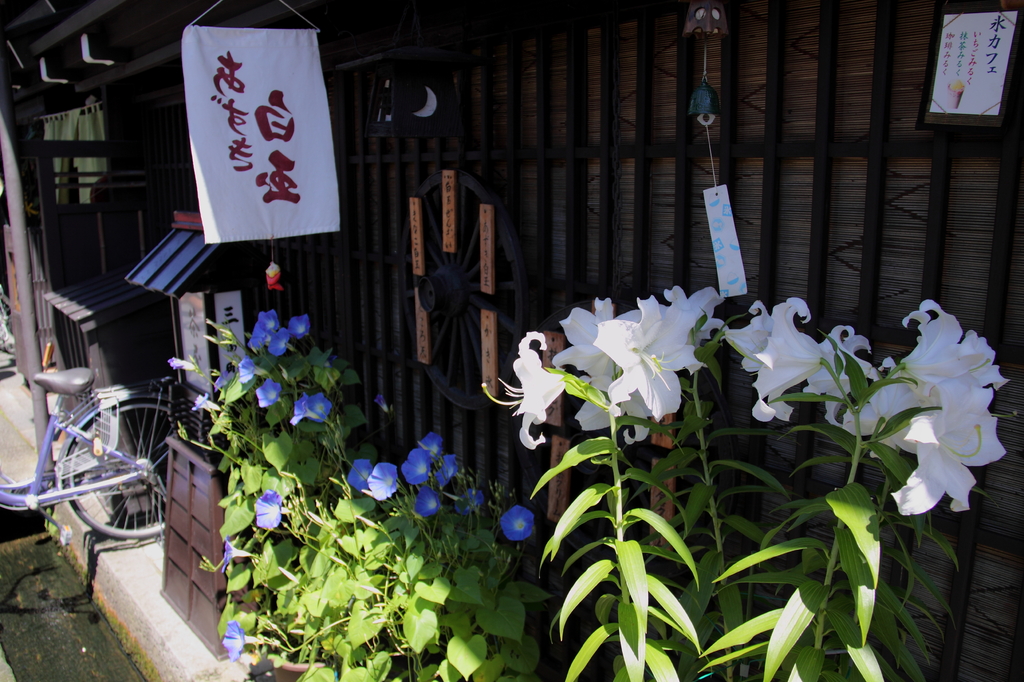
x=126, y=575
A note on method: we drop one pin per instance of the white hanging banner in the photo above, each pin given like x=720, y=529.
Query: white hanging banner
x=732, y=278
x=260, y=132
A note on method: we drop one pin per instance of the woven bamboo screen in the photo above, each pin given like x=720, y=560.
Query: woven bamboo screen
x=838, y=199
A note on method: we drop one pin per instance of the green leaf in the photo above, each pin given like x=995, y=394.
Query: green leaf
x=521, y=657
x=795, y=618
x=855, y=373
x=505, y=621
x=362, y=625
x=437, y=591
x=896, y=467
x=854, y=506
x=252, y=475
x=420, y=625
x=307, y=470
x=238, y=516
x=891, y=602
x=808, y=664
x=581, y=453
x=591, y=578
x=672, y=606
x=862, y=656
x=660, y=665
x=745, y=527
x=921, y=575
x=737, y=431
x=794, y=578
x=900, y=421
x=746, y=632
x=277, y=450
x=634, y=575
x=467, y=586
x=238, y=576
x=755, y=471
x=346, y=511
x=751, y=651
x=824, y=459
x=808, y=398
x=696, y=504
x=770, y=553
x=836, y=434
x=856, y=570
x=589, y=648
x=731, y=605
x=490, y=670
x=632, y=641
x=667, y=531
x=584, y=501
x=467, y=656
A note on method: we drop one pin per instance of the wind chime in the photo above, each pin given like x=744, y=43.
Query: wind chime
x=708, y=19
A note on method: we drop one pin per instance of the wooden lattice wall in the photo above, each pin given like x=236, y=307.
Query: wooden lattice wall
x=839, y=199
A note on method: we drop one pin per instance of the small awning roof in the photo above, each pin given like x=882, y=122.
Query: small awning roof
x=99, y=300
x=184, y=262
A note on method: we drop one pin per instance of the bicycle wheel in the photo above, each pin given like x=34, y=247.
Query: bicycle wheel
x=133, y=510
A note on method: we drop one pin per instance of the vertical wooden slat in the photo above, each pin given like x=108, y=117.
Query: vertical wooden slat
x=450, y=211
x=555, y=343
x=938, y=202
x=423, y=347
x=558, y=489
x=609, y=31
x=681, y=256
x=730, y=77
x=881, y=81
x=576, y=39
x=543, y=52
x=641, y=205
x=766, y=274
x=486, y=249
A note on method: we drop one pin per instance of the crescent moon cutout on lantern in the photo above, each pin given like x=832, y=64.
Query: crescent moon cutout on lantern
x=430, y=107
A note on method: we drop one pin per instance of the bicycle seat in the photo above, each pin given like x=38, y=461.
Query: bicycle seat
x=67, y=382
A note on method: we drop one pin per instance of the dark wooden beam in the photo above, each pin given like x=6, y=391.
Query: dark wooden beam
x=75, y=24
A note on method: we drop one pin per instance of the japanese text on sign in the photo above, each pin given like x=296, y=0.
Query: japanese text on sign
x=973, y=58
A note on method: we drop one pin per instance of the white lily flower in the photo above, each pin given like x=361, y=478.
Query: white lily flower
x=961, y=433
x=937, y=356
x=593, y=418
x=539, y=388
x=702, y=303
x=789, y=358
x=752, y=339
x=581, y=331
x=649, y=353
x=887, y=403
x=979, y=354
x=822, y=383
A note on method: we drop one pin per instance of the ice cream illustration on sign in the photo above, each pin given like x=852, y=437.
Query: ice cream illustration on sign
x=955, y=92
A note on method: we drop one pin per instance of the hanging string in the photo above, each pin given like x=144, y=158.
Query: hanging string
x=297, y=13
x=707, y=128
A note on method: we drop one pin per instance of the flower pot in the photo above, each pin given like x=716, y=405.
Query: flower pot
x=290, y=672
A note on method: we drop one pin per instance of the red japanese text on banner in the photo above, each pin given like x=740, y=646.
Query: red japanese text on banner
x=260, y=132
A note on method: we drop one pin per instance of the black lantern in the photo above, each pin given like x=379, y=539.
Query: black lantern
x=707, y=17
x=413, y=92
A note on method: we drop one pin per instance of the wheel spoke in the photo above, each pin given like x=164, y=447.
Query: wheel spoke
x=472, y=249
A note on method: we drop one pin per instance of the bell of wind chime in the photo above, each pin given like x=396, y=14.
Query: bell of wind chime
x=704, y=103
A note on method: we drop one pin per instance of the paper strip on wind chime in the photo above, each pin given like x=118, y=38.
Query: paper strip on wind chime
x=732, y=278
x=260, y=132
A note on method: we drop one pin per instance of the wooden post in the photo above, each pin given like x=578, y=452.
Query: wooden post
x=423, y=353
x=449, y=209
x=558, y=488
x=416, y=231
x=489, y=348
x=555, y=343
x=663, y=440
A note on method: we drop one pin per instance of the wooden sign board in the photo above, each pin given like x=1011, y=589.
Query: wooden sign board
x=558, y=488
x=449, y=210
x=423, y=353
x=487, y=249
x=555, y=342
x=416, y=231
x=660, y=502
x=489, y=348
x=663, y=440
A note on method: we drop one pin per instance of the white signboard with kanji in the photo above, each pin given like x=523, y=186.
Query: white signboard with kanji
x=260, y=132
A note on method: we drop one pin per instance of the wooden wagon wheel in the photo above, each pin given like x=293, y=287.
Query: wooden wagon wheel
x=465, y=285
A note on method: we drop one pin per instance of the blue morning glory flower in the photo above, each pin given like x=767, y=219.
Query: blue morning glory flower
x=246, y=370
x=358, y=478
x=268, y=393
x=448, y=469
x=473, y=500
x=268, y=320
x=230, y=552
x=234, y=640
x=517, y=523
x=383, y=404
x=312, y=407
x=223, y=380
x=203, y=402
x=432, y=443
x=268, y=510
x=427, y=502
x=298, y=326
x=259, y=337
x=383, y=481
x=177, y=363
x=416, y=467
x=278, y=342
